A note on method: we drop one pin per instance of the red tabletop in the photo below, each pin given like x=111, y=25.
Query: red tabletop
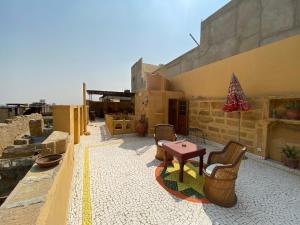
x=184, y=149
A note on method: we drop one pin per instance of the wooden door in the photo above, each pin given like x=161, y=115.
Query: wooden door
x=182, y=122
x=178, y=115
x=173, y=112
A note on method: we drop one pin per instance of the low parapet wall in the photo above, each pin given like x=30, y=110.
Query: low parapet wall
x=120, y=124
x=42, y=196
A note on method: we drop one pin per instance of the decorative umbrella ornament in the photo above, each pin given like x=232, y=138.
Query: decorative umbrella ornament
x=236, y=99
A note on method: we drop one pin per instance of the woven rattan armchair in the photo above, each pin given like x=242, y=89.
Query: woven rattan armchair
x=163, y=133
x=221, y=173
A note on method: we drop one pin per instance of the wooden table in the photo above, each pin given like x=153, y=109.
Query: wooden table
x=182, y=151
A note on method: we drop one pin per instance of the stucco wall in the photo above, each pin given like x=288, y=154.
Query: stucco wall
x=239, y=26
x=55, y=209
x=273, y=69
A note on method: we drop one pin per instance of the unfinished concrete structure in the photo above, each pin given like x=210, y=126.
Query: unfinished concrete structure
x=139, y=73
x=239, y=26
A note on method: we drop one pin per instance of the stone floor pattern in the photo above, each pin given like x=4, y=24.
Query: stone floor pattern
x=124, y=190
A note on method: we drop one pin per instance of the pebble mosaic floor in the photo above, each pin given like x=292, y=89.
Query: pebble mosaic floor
x=120, y=181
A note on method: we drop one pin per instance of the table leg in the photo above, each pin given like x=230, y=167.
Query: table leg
x=165, y=160
x=201, y=165
x=181, y=171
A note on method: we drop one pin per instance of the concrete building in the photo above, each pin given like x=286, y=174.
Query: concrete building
x=239, y=26
x=139, y=72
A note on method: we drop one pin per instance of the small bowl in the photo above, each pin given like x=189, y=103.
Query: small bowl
x=48, y=160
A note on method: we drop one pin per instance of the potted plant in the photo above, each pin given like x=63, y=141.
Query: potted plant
x=141, y=127
x=293, y=110
x=290, y=156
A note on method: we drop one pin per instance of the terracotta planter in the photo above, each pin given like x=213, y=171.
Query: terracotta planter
x=292, y=114
x=141, y=128
x=291, y=163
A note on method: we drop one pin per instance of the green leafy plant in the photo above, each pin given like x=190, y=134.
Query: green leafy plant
x=290, y=151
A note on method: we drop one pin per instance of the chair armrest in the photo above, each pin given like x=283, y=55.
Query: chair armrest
x=215, y=157
x=224, y=172
x=154, y=136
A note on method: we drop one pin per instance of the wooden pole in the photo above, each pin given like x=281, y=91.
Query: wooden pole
x=239, y=124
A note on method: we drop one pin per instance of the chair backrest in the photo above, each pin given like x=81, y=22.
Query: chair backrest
x=233, y=152
x=164, y=132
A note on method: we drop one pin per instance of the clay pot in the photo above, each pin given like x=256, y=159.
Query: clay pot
x=291, y=163
x=292, y=114
x=141, y=128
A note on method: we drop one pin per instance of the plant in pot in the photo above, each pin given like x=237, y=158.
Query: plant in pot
x=290, y=156
x=293, y=111
x=141, y=127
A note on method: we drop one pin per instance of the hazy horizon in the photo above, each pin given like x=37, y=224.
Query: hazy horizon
x=48, y=48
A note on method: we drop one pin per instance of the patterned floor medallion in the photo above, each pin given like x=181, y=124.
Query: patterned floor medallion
x=191, y=189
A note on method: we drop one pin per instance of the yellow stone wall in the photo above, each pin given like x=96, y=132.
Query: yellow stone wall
x=71, y=119
x=271, y=70
x=55, y=209
x=155, y=106
x=221, y=127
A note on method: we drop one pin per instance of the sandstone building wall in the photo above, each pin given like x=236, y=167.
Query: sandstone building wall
x=15, y=127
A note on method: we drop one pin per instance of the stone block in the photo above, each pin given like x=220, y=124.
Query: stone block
x=202, y=126
x=233, y=115
x=233, y=123
x=218, y=113
x=205, y=119
x=204, y=113
x=21, y=141
x=212, y=136
x=57, y=141
x=227, y=138
x=194, y=104
x=259, y=136
x=36, y=127
x=251, y=136
x=256, y=104
x=214, y=129
x=248, y=22
x=276, y=16
x=193, y=119
x=61, y=146
x=217, y=105
x=204, y=105
x=236, y=133
x=252, y=115
x=247, y=142
x=194, y=111
x=248, y=124
x=221, y=121
x=19, y=151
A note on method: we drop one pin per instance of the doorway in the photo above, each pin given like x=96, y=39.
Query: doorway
x=178, y=115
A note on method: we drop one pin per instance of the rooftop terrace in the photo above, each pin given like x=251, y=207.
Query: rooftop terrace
x=123, y=188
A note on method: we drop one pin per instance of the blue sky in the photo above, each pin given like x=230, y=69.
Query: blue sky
x=49, y=47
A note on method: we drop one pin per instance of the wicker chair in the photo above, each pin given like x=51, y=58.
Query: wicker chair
x=163, y=133
x=221, y=172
